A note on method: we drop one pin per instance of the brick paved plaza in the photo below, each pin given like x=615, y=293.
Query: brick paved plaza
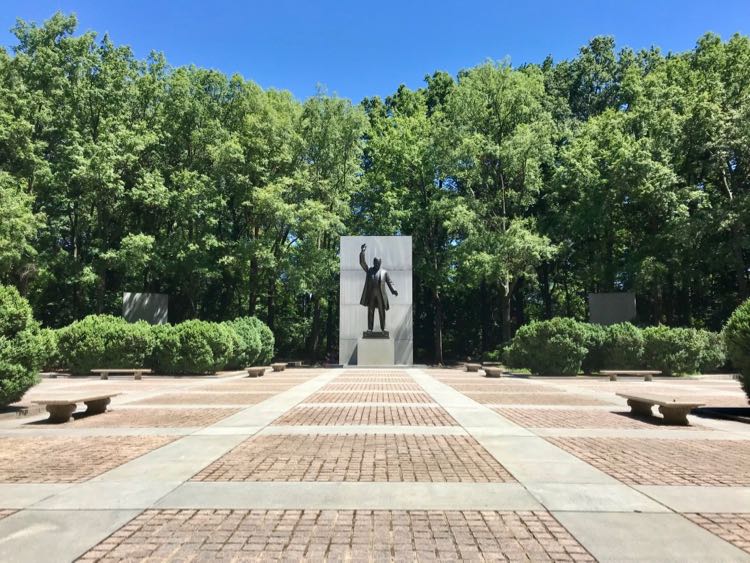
x=374, y=465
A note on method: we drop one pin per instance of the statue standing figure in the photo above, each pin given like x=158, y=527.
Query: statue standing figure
x=374, y=295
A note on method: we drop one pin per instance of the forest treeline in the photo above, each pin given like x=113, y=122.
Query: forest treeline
x=524, y=188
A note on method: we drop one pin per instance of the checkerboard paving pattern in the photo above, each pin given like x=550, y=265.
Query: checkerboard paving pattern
x=501, y=388
x=383, y=387
x=734, y=528
x=43, y=459
x=227, y=398
x=357, y=457
x=150, y=418
x=340, y=535
x=650, y=461
x=385, y=415
x=534, y=399
x=370, y=397
x=582, y=418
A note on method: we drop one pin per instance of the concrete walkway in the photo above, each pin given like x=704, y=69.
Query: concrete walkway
x=374, y=465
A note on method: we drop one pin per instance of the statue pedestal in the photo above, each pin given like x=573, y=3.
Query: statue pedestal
x=375, y=352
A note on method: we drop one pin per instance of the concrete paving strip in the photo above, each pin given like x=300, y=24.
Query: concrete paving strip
x=647, y=537
x=21, y=495
x=266, y=412
x=350, y=496
x=638, y=433
x=228, y=431
x=366, y=429
x=529, y=458
x=593, y=498
x=700, y=499
x=59, y=535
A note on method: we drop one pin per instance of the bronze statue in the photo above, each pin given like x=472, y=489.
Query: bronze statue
x=374, y=295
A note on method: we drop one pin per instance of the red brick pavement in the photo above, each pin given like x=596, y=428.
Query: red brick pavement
x=367, y=386
x=579, y=418
x=227, y=398
x=535, y=399
x=150, y=418
x=69, y=460
x=385, y=415
x=370, y=397
x=344, y=535
x=732, y=527
x=650, y=461
x=357, y=457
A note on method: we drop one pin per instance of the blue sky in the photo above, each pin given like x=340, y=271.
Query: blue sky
x=358, y=49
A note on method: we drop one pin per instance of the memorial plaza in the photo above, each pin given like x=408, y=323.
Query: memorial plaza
x=383, y=464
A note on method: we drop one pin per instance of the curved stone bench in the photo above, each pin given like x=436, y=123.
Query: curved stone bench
x=60, y=410
x=105, y=372
x=648, y=375
x=256, y=371
x=279, y=366
x=674, y=411
x=492, y=371
x=473, y=367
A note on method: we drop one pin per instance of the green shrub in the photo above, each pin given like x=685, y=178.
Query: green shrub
x=623, y=346
x=193, y=347
x=249, y=348
x=554, y=347
x=104, y=341
x=594, y=341
x=267, y=341
x=22, y=350
x=737, y=338
x=50, y=344
x=166, y=355
x=672, y=350
x=713, y=355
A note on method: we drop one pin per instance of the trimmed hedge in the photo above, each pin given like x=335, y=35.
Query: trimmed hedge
x=737, y=337
x=193, y=347
x=250, y=345
x=104, y=341
x=672, y=350
x=267, y=341
x=565, y=346
x=554, y=347
x=22, y=348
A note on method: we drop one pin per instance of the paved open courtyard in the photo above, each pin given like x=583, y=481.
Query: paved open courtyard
x=374, y=465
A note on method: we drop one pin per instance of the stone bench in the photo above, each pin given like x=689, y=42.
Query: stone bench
x=60, y=410
x=673, y=410
x=473, y=367
x=492, y=371
x=137, y=372
x=279, y=366
x=648, y=375
x=256, y=371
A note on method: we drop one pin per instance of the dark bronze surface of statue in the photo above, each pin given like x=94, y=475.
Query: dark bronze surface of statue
x=374, y=295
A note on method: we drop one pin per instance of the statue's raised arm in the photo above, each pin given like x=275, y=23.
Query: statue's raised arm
x=362, y=261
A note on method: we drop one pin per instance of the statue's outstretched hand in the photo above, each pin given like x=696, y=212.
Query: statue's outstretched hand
x=364, y=247
x=395, y=293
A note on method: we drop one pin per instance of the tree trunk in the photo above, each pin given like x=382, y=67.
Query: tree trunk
x=330, y=330
x=740, y=268
x=505, y=310
x=312, y=346
x=485, y=318
x=270, y=303
x=546, y=292
x=438, y=328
